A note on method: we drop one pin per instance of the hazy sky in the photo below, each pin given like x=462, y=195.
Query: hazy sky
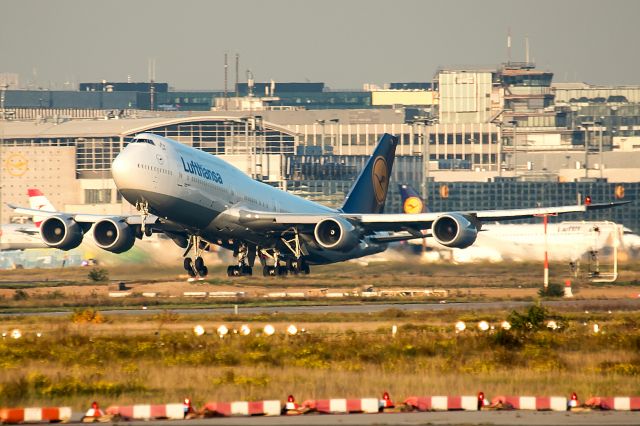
x=344, y=43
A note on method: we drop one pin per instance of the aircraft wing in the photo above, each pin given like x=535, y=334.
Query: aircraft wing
x=270, y=221
x=86, y=218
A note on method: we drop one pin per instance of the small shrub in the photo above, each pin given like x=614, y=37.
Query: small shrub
x=532, y=320
x=87, y=316
x=552, y=290
x=98, y=275
x=20, y=295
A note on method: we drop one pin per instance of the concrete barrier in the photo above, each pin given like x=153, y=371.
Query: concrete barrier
x=539, y=403
x=35, y=414
x=242, y=408
x=343, y=406
x=617, y=403
x=442, y=403
x=148, y=412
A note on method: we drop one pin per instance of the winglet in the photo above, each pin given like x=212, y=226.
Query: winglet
x=369, y=193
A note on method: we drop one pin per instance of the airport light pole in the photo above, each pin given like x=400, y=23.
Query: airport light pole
x=514, y=123
x=585, y=125
x=600, y=124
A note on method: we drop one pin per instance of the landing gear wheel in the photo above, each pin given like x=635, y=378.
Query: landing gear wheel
x=247, y=270
x=305, y=268
x=204, y=271
x=281, y=270
x=293, y=265
x=199, y=263
x=187, y=264
x=230, y=271
x=269, y=271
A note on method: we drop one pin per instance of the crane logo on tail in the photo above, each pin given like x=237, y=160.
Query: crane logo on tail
x=380, y=178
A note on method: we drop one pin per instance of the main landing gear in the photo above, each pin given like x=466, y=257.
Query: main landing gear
x=246, y=255
x=274, y=265
x=196, y=268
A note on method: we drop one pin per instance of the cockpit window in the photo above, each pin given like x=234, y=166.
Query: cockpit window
x=141, y=140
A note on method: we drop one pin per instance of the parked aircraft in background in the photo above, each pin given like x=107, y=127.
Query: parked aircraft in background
x=567, y=240
x=198, y=200
x=18, y=236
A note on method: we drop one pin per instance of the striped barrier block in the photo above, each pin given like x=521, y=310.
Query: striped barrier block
x=536, y=403
x=35, y=414
x=442, y=403
x=343, y=406
x=148, y=412
x=243, y=408
x=617, y=403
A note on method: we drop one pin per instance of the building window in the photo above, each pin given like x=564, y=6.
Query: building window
x=97, y=196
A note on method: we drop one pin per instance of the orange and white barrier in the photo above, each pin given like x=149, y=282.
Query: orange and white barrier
x=343, y=406
x=35, y=415
x=618, y=403
x=242, y=408
x=147, y=412
x=536, y=403
x=442, y=403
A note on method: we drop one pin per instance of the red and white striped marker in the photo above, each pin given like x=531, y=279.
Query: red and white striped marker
x=147, y=412
x=343, y=406
x=617, y=403
x=35, y=414
x=539, y=403
x=243, y=408
x=442, y=403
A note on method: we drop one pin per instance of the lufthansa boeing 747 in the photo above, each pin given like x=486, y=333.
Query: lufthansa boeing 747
x=197, y=199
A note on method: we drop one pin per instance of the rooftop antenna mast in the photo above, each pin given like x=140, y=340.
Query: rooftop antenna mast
x=226, y=72
x=526, y=49
x=237, y=73
x=509, y=45
x=152, y=78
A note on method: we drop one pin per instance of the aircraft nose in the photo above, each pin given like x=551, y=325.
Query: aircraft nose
x=122, y=169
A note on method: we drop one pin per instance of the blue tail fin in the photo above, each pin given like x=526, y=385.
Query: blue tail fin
x=369, y=193
x=411, y=201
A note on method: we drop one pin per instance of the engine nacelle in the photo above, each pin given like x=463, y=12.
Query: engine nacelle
x=336, y=233
x=113, y=235
x=61, y=232
x=454, y=230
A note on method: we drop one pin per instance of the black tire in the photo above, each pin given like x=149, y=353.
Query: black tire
x=203, y=272
x=229, y=271
x=282, y=270
x=247, y=270
x=305, y=268
x=187, y=264
x=265, y=271
x=199, y=263
x=191, y=273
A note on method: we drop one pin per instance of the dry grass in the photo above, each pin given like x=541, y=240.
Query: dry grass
x=123, y=360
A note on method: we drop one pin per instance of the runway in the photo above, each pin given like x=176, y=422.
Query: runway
x=520, y=418
x=617, y=304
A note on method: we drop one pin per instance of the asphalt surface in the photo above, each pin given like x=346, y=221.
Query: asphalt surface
x=617, y=304
x=520, y=418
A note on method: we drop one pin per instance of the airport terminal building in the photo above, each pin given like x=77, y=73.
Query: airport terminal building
x=471, y=139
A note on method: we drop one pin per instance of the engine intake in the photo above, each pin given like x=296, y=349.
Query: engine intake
x=454, y=230
x=113, y=235
x=336, y=233
x=61, y=232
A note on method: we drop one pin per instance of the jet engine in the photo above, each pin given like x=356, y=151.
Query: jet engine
x=113, y=235
x=61, y=232
x=336, y=233
x=454, y=230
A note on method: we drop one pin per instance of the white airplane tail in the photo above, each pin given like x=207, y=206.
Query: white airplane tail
x=38, y=201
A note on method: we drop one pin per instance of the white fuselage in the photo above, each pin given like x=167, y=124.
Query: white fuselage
x=204, y=194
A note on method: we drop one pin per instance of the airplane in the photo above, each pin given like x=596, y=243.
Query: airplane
x=199, y=200
x=566, y=240
x=17, y=236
